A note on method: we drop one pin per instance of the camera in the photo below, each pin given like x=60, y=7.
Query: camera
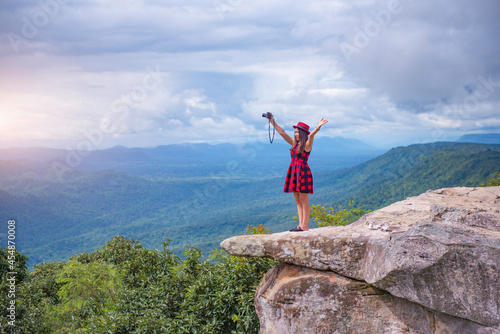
x=267, y=115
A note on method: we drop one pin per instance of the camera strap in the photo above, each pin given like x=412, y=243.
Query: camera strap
x=269, y=132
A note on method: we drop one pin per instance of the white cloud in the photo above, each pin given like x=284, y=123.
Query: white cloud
x=194, y=100
x=426, y=67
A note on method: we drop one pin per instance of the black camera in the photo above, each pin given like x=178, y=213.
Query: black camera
x=267, y=115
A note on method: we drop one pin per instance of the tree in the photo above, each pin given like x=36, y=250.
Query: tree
x=87, y=290
x=13, y=272
x=493, y=181
x=336, y=217
x=125, y=288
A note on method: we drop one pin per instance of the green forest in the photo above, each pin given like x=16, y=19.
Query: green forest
x=89, y=207
x=126, y=288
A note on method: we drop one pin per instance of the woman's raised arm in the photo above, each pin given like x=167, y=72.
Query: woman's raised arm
x=310, y=140
x=282, y=132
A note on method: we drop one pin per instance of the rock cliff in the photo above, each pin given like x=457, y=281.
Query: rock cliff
x=428, y=264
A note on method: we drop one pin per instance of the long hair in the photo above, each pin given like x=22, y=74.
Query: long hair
x=303, y=136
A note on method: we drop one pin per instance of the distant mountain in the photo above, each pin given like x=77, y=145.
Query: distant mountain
x=341, y=144
x=486, y=138
x=84, y=209
x=180, y=151
x=257, y=157
x=31, y=153
x=10, y=168
x=412, y=170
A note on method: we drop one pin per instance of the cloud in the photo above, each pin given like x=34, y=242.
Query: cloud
x=427, y=53
x=400, y=68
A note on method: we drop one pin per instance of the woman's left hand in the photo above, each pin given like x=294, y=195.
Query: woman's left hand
x=322, y=122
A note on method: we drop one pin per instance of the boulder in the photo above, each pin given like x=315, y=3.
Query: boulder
x=440, y=250
x=299, y=300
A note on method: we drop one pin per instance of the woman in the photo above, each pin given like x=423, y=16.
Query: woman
x=299, y=178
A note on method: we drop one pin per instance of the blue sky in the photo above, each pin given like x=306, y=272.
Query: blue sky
x=147, y=72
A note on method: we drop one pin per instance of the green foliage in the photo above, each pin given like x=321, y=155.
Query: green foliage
x=260, y=229
x=336, y=217
x=13, y=261
x=221, y=298
x=88, y=290
x=204, y=203
x=412, y=170
x=125, y=288
x=492, y=181
x=13, y=273
x=39, y=292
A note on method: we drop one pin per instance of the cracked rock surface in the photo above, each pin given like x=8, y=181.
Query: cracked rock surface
x=439, y=251
x=298, y=300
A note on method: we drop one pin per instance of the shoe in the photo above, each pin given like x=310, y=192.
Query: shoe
x=296, y=229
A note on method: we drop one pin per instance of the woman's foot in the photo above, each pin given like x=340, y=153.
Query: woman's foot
x=296, y=229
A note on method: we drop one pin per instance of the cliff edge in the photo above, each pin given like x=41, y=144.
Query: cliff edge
x=428, y=264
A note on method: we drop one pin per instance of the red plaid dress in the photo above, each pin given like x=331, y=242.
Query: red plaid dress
x=299, y=177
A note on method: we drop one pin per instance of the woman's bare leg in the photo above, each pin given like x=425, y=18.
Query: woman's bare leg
x=296, y=195
x=306, y=211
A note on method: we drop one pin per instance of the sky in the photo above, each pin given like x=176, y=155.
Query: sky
x=92, y=74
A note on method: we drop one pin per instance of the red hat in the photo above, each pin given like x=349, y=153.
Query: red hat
x=302, y=126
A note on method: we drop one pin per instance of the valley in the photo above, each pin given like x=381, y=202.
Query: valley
x=199, y=195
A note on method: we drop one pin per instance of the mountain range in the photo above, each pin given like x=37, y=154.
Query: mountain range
x=337, y=152
x=485, y=138
x=199, y=194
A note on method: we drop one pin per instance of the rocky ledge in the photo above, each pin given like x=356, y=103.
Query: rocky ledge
x=428, y=264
